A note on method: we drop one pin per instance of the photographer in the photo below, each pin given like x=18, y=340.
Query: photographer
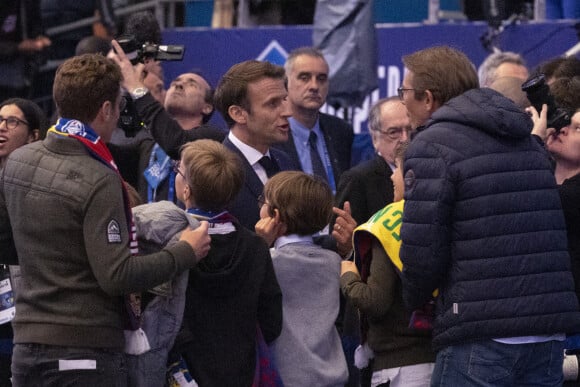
x=180, y=119
x=564, y=146
x=170, y=119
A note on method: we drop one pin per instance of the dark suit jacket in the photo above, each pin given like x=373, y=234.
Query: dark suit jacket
x=245, y=205
x=338, y=136
x=367, y=187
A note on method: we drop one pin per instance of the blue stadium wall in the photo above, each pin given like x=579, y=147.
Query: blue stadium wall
x=215, y=50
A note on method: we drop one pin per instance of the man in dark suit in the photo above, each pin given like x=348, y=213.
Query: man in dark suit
x=367, y=186
x=319, y=143
x=252, y=98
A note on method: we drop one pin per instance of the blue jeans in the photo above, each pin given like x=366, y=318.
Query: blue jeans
x=489, y=363
x=53, y=366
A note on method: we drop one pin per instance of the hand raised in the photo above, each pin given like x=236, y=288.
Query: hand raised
x=343, y=229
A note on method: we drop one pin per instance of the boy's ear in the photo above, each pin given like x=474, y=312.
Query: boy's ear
x=273, y=212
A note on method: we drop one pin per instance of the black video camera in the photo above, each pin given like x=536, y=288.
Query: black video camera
x=538, y=93
x=129, y=120
x=160, y=52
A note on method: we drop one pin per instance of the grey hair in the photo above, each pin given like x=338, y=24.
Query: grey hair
x=308, y=51
x=374, y=120
x=486, y=71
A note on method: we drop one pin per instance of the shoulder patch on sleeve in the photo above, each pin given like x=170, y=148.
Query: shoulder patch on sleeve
x=113, y=232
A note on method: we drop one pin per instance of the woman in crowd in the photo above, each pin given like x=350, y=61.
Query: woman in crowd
x=21, y=122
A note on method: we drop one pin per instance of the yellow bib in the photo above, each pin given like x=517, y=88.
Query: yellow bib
x=385, y=226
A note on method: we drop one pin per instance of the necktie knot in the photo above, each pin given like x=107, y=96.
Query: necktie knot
x=312, y=138
x=269, y=166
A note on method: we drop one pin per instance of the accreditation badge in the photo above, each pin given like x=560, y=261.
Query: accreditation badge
x=7, y=309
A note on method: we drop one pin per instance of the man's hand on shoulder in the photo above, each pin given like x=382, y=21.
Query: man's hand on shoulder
x=198, y=239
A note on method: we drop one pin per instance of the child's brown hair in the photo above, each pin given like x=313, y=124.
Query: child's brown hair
x=213, y=172
x=304, y=201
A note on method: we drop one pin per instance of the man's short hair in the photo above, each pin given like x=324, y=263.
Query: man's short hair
x=487, y=69
x=304, y=201
x=208, y=96
x=213, y=172
x=566, y=93
x=443, y=70
x=559, y=67
x=233, y=86
x=93, y=45
x=83, y=83
x=307, y=51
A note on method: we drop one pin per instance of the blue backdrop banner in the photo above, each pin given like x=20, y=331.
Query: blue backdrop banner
x=213, y=51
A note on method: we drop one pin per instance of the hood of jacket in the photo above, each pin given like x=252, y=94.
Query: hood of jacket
x=226, y=267
x=486, y=110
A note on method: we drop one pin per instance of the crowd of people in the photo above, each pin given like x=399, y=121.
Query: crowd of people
x=186, y=254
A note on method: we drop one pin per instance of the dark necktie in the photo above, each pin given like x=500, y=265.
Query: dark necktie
x=269, y=165
x=317, y=166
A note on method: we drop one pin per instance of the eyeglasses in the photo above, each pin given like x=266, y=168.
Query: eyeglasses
x=401, y=92
x=12, y=122
x=176, y=165
x=395, y=133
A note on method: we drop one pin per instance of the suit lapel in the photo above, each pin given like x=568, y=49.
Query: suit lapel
x=252, y=180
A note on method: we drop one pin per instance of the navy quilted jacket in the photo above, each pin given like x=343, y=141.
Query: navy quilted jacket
x=483, y=224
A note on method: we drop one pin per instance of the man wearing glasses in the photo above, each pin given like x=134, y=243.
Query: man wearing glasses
x=482, y=223
x=367, y=186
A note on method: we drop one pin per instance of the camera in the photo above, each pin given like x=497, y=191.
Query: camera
x=139, y=53
x=129, y=120
x=538, y=93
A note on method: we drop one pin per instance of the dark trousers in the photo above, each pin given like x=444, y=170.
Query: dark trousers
x=53, y=366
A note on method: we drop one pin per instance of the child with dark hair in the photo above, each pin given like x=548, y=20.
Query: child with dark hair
x=308, y=352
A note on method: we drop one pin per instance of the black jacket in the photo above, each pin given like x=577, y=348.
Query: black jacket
x=367, y=187
x=231, y=290
x=483, y=223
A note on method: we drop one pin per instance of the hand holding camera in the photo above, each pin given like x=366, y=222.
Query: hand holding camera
x=538, y=93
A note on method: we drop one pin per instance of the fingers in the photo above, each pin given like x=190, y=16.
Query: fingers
x=348, y=266
x=343, y=229
x=204, y=241
x=270, y=229
x=117, y=51
x=203, y=226
x=198, y=239
x=346, y=207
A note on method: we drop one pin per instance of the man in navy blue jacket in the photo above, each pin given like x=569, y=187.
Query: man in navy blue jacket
x=483, y=224
x=252, y=98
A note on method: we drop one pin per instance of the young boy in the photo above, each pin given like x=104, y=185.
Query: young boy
x=235, y=289
x=402, y=354
x=308, y=352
